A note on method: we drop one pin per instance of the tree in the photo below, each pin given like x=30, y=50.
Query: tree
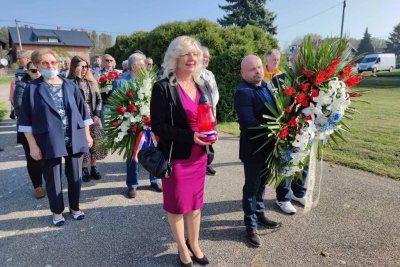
x=227, y=48
x=248, y=12
x=393, y=45
x=365, y=45
x=4, y=34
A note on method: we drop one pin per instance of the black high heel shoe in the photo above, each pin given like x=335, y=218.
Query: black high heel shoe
x=189, y=264
x=202, y=261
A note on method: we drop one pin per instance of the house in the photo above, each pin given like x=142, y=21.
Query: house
x=65, y=43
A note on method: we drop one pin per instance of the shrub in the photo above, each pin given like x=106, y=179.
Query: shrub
x=3, y=110
x=227, y=48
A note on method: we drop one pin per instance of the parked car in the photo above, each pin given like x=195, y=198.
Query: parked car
x=377, y=62
x=398, y=66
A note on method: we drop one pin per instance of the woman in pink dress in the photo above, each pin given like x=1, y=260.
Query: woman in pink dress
x=180, y=89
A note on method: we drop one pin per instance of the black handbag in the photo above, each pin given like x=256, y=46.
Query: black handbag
x=154, y=161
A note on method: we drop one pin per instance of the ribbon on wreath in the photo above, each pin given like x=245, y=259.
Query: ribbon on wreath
x=145, y=138
x=310, y=183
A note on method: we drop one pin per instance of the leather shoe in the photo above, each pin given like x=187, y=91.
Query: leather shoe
x=253, y=238
x=182, y=264
x=39, y=192
x=94, y=173
x=210, y=171
x=156, y=187
x=132, y=193
x=85, y=174
x=202, y=261
x=263, y=220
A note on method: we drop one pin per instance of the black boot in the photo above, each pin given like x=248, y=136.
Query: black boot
x=85, y=174
x=95, y=173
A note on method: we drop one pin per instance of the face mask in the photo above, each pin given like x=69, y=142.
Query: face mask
x=49, y=73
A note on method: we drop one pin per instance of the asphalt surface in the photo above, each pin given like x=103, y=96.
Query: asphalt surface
x=357, y=222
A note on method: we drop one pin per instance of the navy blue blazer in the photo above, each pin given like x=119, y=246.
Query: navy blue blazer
x=39, y=115
x=249, y=105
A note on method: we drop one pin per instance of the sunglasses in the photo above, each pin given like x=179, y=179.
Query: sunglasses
x=33, y=70
x=48, y=64
x=85, y=67
x=109, y=60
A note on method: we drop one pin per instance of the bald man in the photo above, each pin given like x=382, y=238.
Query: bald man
x=249, y=99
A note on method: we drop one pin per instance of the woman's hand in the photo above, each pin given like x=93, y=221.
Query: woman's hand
x=198, y=141
x=97, y=121
x=35, y=152
x=89, y=141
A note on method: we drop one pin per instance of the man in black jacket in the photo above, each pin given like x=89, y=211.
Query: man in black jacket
x=250, y=96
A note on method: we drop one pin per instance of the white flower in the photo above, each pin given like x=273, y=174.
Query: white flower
x=299, y=156
x=145, y=110
x=323, y=99
x=301, y=140
x=147, y=84
x=312, y=110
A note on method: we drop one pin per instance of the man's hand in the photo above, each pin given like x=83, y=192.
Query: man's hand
x=198, y=141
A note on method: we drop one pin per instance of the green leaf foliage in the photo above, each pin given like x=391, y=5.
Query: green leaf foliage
x=227, y=46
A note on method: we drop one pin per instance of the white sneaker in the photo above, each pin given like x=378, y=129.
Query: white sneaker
x=286, y=207
x=301, y=200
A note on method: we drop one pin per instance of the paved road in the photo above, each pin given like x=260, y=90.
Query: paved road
x=357, y=222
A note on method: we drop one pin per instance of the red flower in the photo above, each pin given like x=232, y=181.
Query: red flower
x=110, y=75
x=129, y=93
x=121, y=110
x=292, y=122
x=301, y=97
x=314, y=93
x=132, y=108
x=304, y=86
x=304, y=103
x=288, y=109
x=284, y=133
x=332, y=67
x=321, y=77
x=353, y=80
x=307, y=73
x=290, y=91
x=102, y=80
x=345, y=73
x=133, y=128
x=308, y=118
x=146, y=121
x=354, y=94
x=115, y=124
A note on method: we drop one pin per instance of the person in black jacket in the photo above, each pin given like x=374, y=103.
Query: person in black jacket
x=34, y=167
x=83, y=77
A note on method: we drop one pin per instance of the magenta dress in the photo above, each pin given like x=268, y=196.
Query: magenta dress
x=184, y=190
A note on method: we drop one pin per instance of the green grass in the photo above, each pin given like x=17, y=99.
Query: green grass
x=374, y=144
x=6, y=80
x=3, y=110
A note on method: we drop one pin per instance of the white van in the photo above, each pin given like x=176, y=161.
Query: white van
x=377, y=62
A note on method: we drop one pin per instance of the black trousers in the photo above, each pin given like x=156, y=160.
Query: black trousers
x=52, y=176
x=34, y=166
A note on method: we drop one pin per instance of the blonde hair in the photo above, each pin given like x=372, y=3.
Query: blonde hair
x=178, y=47
x=88, y=76
x=37, y=55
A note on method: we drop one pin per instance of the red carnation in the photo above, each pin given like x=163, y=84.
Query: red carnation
x=290, y=91
x=288, y=109
x=132, y=108
x=353, y=80
x=314, y=93
x=301, y=97
x=305, y=86
x=133, y=128
x=102, y=80
x=115, y=124
x=292, y=122
x=146, y=121
x=284, y=133
x=129, y=93
x=121, y=110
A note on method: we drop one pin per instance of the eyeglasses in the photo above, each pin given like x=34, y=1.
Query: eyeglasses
x=85, y=67
x=109, y=60
x=33, y=70
x=48, y=64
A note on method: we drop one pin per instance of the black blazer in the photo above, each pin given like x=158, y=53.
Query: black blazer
x=249, y=105
x=163, y=95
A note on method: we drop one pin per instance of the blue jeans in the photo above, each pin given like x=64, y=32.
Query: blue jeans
x=253, y=194
x=283, y=193
x=132, y=171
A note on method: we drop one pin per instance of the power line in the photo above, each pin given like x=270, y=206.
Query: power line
x=311, y=17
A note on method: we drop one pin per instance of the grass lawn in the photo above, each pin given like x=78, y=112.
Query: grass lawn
x=5, y=80
x=374, y=144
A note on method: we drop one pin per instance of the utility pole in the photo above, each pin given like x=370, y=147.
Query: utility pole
x=341, y=28
x=19, y=37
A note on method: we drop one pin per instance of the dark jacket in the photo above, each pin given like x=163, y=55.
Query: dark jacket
x=18, y=93
x=162, y=96
x=96, y=102
x=249, y=105
x=39, y=115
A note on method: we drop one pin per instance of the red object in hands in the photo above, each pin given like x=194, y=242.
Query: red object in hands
x=206, y=121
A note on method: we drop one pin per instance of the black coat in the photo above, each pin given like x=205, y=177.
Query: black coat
x=163, y=95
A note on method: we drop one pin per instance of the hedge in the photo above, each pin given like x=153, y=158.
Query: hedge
x=227, y=48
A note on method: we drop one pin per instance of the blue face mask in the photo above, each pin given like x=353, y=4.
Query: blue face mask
x=49, y=73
